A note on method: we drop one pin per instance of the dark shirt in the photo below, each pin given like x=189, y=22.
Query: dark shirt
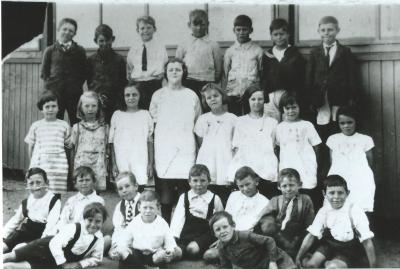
x=248, y=250
x=288, y=74
x=64, y=70
x=106, y=73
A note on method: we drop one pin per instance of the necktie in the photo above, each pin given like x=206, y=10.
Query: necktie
x=129, y=212
x=144, y=58
x=288, y=212
x=328, y=58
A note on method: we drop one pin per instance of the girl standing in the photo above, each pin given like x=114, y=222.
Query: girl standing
x=48, y=139
x=131, y=137
x=90, y=136
x=214, y=131
x=352, y=158
x=175, y=110
x=254, y=143
x=299, y=144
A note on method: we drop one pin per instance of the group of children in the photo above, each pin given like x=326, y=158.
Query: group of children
x=252, y=137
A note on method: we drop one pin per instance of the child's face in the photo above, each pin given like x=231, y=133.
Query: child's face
x=148, y=210
x=145, y=31
x=131, y=96
x=289, y=187
x=198, y=25
x=94, y=224
x=328, y=32
x=174, y=72
x=223, y=230
x=347, y=125
x=199, y=184
x=89, y=108
x=248, y=186
x=336, y=196
x=291, y=112
x=242, y=33
x=66, y=32
x=85, y=184
x=126, y=189
x=50, y=110
x=256, y=101
x=104, y=43
x=36, y=185
x=280, y=38
x=213, y=99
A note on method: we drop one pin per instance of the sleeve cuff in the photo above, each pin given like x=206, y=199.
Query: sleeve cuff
x=60, y=260
x=313, y=232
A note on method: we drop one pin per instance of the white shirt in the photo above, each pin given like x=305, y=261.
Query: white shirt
x=157, y=57
x=38, y=211
x=246, y=211
x=147, y=236
x=73, y=208
x=198, y=207
x=94, y=256
x=339, y=223
x=278, y=53
x=332, y=51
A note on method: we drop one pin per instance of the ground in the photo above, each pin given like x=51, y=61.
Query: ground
x=388, y=252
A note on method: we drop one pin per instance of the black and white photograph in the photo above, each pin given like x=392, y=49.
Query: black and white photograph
x=200, y=135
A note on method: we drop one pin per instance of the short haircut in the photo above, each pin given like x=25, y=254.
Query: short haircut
x=84, y=171
x=176, y=60
x=68, y=20
x=198, y=170
x=197, y=14
x=95, y=208
x=328, y=19
x=277, y=24
x=47, y=96
x=104, y=30
x=348, y=111
x=36, y=171
x=220, y=215
x=335, y=181
x=288, y=172
x=243, y=20
x=248, y=93
x=95, y=96
x=212, y=86
x=146, y=19
x=149, y=196
x=138, y=86
x=289, y=98
x=129, y=175
x=244, y=172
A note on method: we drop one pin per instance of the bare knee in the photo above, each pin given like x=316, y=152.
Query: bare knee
x=335, y=264
x=193, y=249
x=211, y=255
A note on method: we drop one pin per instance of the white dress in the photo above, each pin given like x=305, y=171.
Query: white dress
x=175, y=113
x=216, y=150
x=349, y=161
x=296, y=141
x=130, y=132
x=255, y=141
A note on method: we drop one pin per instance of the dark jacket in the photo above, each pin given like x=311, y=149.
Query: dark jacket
x=338, y=79
x=64, y=71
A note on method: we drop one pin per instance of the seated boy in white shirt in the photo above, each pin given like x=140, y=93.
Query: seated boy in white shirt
x=84, y=179
x=340, y=226
x=193, y=211
x=125, y=210
x=246, y=205
x=148, y=238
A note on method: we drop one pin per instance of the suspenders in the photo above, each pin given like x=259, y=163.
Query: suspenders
x=71, y=243
x=53, y=201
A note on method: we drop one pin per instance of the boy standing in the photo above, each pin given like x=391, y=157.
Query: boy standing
x=146, y=60
x=201, y=55
x=63, y=69
x=242, y=64
x=106, y=71
x=338, y=225
x=283, y=67
x=192, y=212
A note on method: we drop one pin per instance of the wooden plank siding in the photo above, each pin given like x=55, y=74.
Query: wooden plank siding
x=379, y=76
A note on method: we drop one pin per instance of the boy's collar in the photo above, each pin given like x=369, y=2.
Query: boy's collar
x=205, y=37
x=81, y=196
x=135, y=199
x=335, y=43
x=245, y=45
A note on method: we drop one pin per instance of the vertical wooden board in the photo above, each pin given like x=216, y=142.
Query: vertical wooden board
x=13, y=90
x=388, y=127
x=22, y=109
x=364, y=88
x=5, y=111
x=397, y=127
x=28, y=114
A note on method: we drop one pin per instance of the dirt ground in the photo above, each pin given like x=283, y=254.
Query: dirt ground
x=388, y=252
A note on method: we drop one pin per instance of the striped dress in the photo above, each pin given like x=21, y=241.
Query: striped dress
x=49, y=139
